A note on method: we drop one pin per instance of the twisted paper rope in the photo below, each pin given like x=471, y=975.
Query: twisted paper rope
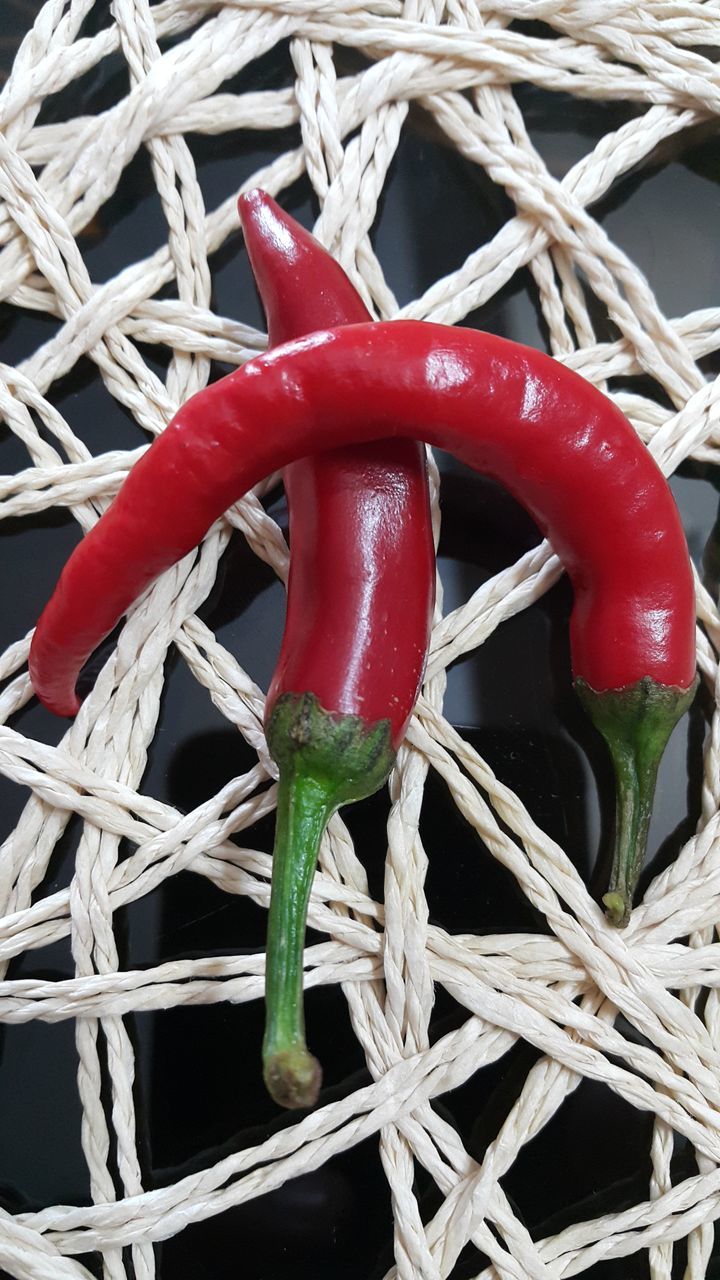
x=459, y=60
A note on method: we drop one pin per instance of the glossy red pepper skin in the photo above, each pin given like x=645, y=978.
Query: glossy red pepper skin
x=563, y=449
x=362, y=569
x=358, y=616
x=560, y=446
x=361, y=591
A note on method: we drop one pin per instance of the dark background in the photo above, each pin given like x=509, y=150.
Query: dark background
x=199, y=1090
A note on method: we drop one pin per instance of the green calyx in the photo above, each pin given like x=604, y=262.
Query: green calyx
x=350, y=757
x=325, y=760
x=636, y=722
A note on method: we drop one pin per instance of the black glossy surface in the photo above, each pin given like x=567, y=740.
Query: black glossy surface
x=199, y=1090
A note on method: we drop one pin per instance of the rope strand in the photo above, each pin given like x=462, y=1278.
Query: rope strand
x=459, y=62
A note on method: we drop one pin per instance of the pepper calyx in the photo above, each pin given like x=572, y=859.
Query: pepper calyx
x=352, y=757
x=636, y=722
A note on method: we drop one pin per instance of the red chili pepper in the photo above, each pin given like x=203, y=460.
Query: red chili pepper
x=559, y=446
x=359, y=612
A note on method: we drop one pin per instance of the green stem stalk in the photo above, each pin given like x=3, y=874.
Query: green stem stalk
x=324, y=761
x=305, y=805
x=636, y=723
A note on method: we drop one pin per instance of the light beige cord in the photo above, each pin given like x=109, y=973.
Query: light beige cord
x=459, y=60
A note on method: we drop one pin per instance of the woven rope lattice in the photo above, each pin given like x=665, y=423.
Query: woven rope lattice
x=561, y=992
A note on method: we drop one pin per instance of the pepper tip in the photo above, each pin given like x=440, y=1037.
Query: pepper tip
x=293, y=1078
x=62, y=704
x=255, y=197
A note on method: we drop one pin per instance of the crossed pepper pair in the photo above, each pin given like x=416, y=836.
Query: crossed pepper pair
x=341, y=407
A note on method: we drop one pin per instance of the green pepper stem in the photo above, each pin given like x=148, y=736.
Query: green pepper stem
x=636, y=722
x=635, y=778
x=325, y=760
x=305, y=804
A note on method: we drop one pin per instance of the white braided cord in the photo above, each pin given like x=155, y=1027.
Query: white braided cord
x=459, y=60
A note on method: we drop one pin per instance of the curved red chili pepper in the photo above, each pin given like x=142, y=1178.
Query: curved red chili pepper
x=559, y=446
x=359, y=611
x=362, y=568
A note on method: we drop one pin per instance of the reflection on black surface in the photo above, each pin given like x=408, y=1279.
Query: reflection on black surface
x=330, y=1222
